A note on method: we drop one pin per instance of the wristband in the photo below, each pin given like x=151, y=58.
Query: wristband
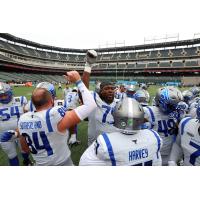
x=78, y=82
x=87, y=68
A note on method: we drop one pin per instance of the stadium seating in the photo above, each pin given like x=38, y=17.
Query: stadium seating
x=164, y=64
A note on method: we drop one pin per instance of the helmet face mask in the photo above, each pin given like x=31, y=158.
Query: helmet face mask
x=6, y=93
x=48, y=86
x=128, y=116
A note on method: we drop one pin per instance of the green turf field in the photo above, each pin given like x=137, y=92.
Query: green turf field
x=82, y=127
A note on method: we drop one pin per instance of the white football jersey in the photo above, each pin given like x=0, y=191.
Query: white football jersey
x=101, y=119
x=30, y=107
x=48, y=146
x=140, y=149
x=162, y=125
x=193, y=110
x=189, y=133
x=71, y=100
x=11, y=112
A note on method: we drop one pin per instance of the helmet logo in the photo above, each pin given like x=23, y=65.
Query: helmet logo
x=123, y=124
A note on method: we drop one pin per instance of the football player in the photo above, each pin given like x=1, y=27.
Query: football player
x=144, y=88
x=130, y=91
x=187, y=144
x=50, y=87
x=71, y=102
x=11, y=108
x=141, y=97
x=128, y=145
x=66, y=90
x=101, y=118
x=159, y=119
x=45, y=131
x=120, y=93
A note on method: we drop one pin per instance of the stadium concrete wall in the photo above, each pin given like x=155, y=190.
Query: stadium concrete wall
x=190, y=81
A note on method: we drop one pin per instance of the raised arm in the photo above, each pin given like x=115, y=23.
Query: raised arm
x=75, y=116
x=91, y=57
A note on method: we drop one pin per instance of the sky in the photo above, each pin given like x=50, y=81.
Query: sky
x=94, y=24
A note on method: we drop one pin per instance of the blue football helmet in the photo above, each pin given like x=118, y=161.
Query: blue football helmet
x=6, y=93
x=48, y=86
x=167, y=99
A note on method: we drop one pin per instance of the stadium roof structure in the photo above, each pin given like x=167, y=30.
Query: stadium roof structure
x=14, y=39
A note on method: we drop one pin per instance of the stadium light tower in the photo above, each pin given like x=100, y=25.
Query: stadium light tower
x=196, y=35
x=165, y=38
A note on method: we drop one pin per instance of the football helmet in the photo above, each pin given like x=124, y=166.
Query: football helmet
x=143, y=86
x=75, y=89
x=187, y=95
x=6, y=93
x=130, y=90
x=128, y=115
x=198, y=111
x=141, y=97
x=167, y=98
x=182, y=106
x=195, y=91
x=48, y=86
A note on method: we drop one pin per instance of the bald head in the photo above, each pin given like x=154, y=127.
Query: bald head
x=41, y=98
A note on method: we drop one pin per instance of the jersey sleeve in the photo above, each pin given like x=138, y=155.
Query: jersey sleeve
x=149, y=117
x=176, y=153
x=54, y=116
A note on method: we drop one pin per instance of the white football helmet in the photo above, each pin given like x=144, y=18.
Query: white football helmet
x=6, y=93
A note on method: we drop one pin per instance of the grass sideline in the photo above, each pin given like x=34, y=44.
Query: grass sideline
x=76, y=151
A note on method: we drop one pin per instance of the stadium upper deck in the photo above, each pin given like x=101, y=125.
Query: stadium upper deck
x=168, y=57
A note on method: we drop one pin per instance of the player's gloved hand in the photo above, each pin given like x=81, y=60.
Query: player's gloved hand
x=91, y=57
x=7, y=136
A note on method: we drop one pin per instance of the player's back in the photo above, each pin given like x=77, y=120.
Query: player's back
x=190, y=141
x=10, y=113
x=48, y=145
x=71, y=100
x=163, y=125
x=142, y=148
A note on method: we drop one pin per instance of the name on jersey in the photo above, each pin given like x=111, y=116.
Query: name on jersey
x=31, y=125
x=138, y=154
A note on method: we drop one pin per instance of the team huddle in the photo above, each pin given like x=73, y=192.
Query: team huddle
x=123, y=128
